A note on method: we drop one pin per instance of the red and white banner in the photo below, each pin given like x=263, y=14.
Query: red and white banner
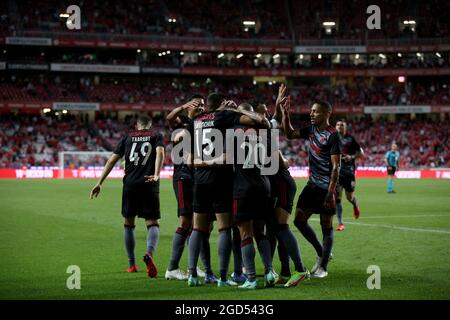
x=296, y=172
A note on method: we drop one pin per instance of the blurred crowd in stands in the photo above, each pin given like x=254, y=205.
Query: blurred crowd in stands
x=285, y=19
x=173, y=91
x=34, y=140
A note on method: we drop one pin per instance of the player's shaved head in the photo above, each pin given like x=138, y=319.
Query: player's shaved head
x=320, y=113
x=214, y=101
x=245, y=106
x=143, y=121
x=324, y=105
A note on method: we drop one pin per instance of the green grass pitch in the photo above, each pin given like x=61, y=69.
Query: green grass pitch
x=47, y=225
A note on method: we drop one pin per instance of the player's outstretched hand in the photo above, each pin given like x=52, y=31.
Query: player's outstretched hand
x=191, y=104
x=151, y=178
x=281, y=95
x=286, y=104
x=95, y=191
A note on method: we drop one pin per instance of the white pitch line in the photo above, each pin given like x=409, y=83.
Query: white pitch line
x=395, y=227
x=406, y=216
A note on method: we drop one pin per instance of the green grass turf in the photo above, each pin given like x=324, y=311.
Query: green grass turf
x=47, y=225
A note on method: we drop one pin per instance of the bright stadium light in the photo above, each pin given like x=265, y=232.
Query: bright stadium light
x=199, y=54
x=138, y=50
x=401, y=79
x=301, y=57
x=254, y=82
x=319, y=56
x=240, y=55
x=259, y=55
x=181, y=53
x=399, y=55
x=249, y=23
x=357, y=56
x=168, y=51
x=46, y=110
x=64, y=15
x=418, y=54
x=159, y=54
x=64, y=111
x=438, y=54
x=276, y=56
x=382, y=56
x=220, y=55
x=246, y=29
x=329, y=23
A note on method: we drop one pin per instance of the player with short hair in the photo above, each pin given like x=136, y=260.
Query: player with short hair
x=144, y=154
x=351, y=150
x=392, y=160
x=319, y=194
x=179, y=120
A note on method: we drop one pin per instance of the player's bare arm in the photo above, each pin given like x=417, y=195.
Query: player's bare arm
x=173, y=116
x=158, y=164
x=106, y=170
x=252, y=119
x=336, y=163
x=281, y=98
x=289, y=130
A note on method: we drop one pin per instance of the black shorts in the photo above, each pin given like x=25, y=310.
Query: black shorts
x=142, y=202
x=184, y=192
x=246, y=209
x=391, y=170
x=214, y=197
x=312, y=199
x=348, y=182
x=283, y=192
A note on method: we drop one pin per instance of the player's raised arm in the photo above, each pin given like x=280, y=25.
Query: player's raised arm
x=281, y=99
x=173, y=116
x=106, y=170
x=291, y=133
x=158, y=164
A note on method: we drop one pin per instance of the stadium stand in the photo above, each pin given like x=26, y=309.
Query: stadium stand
x=33, y=140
